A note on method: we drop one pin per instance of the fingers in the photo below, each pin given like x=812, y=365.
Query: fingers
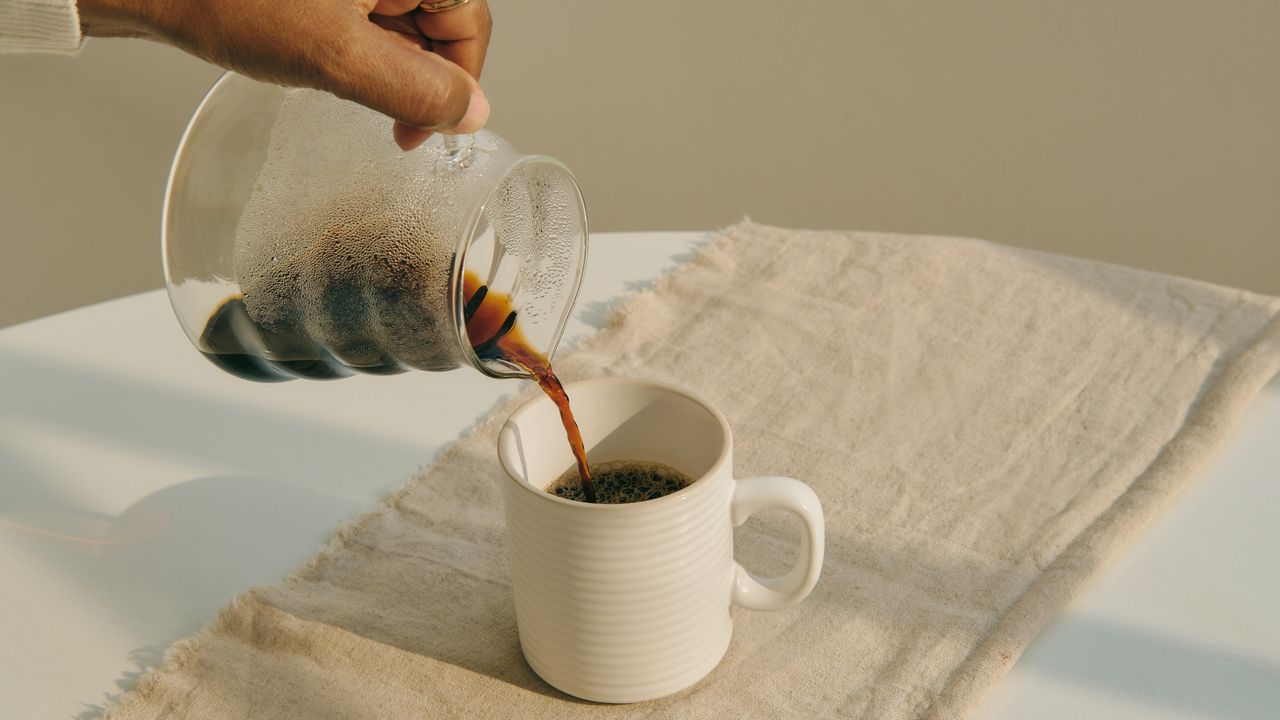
x=460, y=34
x=407, y=136
x=417, y=88
x=403, y=27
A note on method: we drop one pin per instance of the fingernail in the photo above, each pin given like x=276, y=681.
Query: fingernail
x=477, y=114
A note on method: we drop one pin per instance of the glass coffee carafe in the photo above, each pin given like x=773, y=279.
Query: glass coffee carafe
x=300, y=242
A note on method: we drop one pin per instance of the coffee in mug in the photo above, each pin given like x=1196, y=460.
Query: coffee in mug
x=624, y=481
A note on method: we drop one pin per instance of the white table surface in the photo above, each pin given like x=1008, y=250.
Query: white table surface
x=141, y=488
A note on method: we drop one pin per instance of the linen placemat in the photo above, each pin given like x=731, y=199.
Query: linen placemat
x=985, y=426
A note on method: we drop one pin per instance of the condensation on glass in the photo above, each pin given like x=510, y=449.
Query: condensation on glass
x=301, y=242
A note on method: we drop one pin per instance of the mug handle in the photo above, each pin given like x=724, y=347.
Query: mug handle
x=761, y=493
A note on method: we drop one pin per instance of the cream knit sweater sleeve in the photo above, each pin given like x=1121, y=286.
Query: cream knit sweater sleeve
x=39, y=26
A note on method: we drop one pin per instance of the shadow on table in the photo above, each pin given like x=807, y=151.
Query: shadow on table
x=180, y=543
x=1167, y=671
x=143, y=659
x=130, y=413
x=163, y=567
x=170, y=561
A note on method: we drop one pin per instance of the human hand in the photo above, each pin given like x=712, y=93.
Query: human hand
x=420, y=68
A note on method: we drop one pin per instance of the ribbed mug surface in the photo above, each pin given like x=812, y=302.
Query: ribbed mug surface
x=630, y=602
x=627, y=604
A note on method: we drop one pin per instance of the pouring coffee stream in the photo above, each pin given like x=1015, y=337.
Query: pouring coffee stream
x=492, y=325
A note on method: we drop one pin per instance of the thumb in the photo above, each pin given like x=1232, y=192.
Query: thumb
x=416, y=87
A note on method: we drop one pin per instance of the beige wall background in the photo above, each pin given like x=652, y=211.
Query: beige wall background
x=1142, y=133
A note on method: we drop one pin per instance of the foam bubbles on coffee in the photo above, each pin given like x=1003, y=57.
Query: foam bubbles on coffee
x=624, y=481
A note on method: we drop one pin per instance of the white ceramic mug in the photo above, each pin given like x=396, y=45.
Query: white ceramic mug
x=622, y=603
